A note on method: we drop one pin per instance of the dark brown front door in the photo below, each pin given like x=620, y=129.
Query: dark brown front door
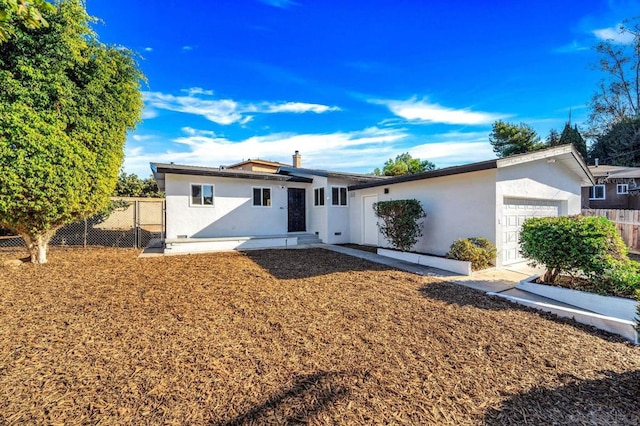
x=296, y=210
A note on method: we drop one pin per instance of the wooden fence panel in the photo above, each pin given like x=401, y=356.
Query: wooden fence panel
x=627, y=222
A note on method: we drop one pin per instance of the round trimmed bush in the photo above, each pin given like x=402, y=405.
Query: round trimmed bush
x=479, y=251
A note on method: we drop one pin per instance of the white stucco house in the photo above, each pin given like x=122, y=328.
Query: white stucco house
x=218, y=208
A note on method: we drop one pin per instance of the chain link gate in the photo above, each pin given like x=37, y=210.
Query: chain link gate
x=135, y=223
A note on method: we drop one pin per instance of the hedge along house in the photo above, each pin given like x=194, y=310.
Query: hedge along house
x=490, y=199
x=220, y=208
x=217, y=208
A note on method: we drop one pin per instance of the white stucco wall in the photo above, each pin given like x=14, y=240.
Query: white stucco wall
x=540, y=180
x=458, y=206
x=232, y=214
x=317, y=218
x=338, y=216
x=536, y=180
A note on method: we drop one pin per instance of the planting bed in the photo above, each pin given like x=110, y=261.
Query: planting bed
x=290, y=336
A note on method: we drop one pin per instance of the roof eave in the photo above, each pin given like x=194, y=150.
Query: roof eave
x=176, y=170
x=449, y=171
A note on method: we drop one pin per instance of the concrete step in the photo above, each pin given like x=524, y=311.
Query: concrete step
x=308, y=239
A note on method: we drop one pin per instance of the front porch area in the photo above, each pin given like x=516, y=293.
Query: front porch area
x=203, y=245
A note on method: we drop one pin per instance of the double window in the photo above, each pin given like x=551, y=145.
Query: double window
x=597, y=192
x=339, y=195
x=318, y=196
x=201, y=195
x=622, y=188
x=262, y=197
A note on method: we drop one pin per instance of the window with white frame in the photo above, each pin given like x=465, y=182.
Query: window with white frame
x=318, y=197
x=201, y=194
x=622, y=188
x=339, y=195
x=262, y=197
x=597, y=192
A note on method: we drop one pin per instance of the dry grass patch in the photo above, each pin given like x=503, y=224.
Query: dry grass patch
x=288, y=336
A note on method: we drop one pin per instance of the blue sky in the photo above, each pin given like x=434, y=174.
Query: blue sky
x=352, y=83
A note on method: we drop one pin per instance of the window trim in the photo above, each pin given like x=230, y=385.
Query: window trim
x=604, y=192
x=626, y=190
x=202, y=185
x=340, y=198
x=262, y=188
x=320, y=200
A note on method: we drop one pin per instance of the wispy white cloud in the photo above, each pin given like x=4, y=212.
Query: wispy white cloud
x=358, y=151
x=422, y=111
x=197, y=132
x=187, y=48
x=572, y=47
x=197, y=91
x=140, y=138
x=148, y=49
x=149, y=113
x=453, y=153
x=298, y=107
x=224, y=111
x=614, y=34
x=282, y=4
x=338, y=151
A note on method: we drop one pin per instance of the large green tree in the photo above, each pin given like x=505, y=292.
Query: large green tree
x=404, y=164
x=510, y=139
x=130, y=185
x=618, y=95
x=66, y=103
x=620, y=146
x=572, y=135
x=28, y=13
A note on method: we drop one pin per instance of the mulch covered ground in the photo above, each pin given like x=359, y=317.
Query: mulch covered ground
x=99, y=336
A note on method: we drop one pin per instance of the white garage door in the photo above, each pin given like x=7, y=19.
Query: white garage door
x=514, y=213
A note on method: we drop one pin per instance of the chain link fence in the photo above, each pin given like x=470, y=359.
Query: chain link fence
x=138, y=223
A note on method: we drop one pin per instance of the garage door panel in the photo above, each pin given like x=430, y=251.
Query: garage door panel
x=515, y=212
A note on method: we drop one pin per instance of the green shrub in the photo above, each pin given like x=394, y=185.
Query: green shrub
x=479, y=251
x=622, y=277
x=400, y=222
x=571, y=244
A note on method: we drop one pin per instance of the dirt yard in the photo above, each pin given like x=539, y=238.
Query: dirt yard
x=287, y=337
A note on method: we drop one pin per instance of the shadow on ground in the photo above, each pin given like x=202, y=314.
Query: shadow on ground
x=307, y=263
x=299, y=404
x=613, y=399
x=463, y=296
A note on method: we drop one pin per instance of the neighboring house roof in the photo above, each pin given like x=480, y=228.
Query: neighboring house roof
x=256, y=161
x=567, y=154
x=358, y=177
x=615, y=172
x=160, y=169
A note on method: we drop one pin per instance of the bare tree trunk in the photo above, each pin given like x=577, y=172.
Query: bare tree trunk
x=38, y=245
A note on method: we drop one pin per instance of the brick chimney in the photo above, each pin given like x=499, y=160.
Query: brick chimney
x=297, y=159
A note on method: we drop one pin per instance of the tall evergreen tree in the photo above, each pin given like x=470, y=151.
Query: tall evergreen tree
x=572, y=135
x=554, y=138
x=510, y=139
x=620, y=146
